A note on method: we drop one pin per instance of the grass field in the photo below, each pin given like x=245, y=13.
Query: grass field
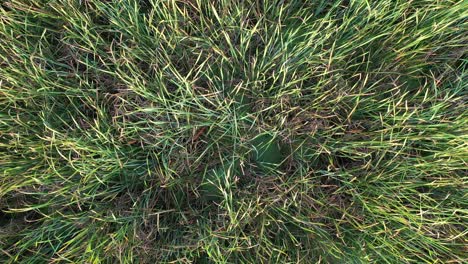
x=233, y=131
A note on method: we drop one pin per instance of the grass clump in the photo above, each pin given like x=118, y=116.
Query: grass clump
x=233, y=131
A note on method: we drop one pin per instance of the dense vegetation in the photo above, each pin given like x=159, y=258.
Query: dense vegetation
x=254, y=131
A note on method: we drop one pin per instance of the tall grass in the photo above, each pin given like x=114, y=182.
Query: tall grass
x=179, y=131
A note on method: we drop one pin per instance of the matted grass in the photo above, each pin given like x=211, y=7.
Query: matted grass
x=252, y=131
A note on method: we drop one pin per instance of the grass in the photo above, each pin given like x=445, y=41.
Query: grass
x=180, y=131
